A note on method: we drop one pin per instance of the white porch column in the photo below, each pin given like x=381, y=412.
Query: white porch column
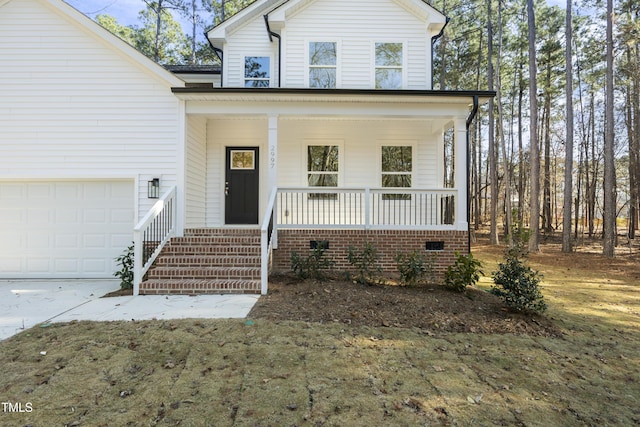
x=460, y=130
x=272, y=175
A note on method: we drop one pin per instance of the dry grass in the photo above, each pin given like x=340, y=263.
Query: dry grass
x=268, y=373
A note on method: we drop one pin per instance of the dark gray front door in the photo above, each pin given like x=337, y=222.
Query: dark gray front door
x=241, y=185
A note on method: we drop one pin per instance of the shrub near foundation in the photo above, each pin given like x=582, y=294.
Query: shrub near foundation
x=414, y=268
x=517, y=283
x=464, y=272
x=312, y=266
x=365, y=261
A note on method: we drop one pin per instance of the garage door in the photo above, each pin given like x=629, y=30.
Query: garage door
x=64, y=229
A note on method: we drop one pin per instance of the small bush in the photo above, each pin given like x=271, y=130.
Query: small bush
x=311, y=266
x=365, y=261
x=516, y=283
x=125, y=261
x=413, y=268
x=464, y=272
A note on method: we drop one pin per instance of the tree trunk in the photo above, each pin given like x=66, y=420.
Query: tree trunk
x=156, y=48
x=609, y=211
x=493, y=167
x=533, y=130
x=546, y=188
x=194, y=25
x=567, y=244
x=501, y=138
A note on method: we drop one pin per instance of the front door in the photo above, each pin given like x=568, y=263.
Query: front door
x=241, y=185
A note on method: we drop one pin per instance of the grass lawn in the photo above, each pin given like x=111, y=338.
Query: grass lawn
x=284, y=373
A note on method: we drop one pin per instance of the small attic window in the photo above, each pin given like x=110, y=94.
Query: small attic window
x=257, y=71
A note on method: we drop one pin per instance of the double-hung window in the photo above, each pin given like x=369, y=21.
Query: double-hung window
x=257, y=71
x=397, y=169
x=322, y=169
x=323, y=63
x=388, y=66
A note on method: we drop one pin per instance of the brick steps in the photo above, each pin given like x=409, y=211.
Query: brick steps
x=207, y=261
x=200, y=287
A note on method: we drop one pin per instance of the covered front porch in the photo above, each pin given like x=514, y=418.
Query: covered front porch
x=297, y=166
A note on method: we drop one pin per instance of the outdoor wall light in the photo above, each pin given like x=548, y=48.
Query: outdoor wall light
x=153, y=188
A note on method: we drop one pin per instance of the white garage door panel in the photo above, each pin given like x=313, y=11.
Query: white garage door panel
x=64, y=229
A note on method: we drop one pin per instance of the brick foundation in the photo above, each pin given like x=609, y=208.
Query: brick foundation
x=388, y=243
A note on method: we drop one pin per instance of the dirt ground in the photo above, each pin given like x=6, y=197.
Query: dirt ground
x=339, y=301
x=475, y=311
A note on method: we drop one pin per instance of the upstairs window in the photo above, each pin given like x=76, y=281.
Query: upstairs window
x=257, y=71
x=323, y=61
x=388, y=67
x=397, y=169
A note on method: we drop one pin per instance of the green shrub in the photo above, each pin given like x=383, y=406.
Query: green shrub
x=311, y=266
x=365, y=261
x=125, y=261
x=413, y=268
x=516, y=283
x=464, y=272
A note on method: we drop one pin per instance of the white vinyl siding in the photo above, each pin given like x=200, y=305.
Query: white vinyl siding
x=359, y=144
x=250, y=40
x=74, y=105
x=356, y=30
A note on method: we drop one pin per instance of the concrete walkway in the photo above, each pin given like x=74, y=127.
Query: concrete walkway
x=27, y=303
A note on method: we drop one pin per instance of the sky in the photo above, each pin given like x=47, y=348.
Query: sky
x=126, y=11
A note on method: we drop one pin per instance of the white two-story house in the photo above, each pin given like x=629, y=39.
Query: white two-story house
x=324, y=130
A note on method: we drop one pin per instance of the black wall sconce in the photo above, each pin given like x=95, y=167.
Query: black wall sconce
x=153, y=188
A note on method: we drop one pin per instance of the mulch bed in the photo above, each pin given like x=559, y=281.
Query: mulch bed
x=431, y=308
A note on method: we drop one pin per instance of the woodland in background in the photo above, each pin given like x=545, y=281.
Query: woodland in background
x=563, y=161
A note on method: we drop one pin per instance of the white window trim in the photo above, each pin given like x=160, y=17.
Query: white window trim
x=404, y=61
x=305, y=152
x=271, y=76
x=398, y=143
x=307, y=66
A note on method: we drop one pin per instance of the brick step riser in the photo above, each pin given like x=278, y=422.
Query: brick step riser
x=208, y=261
x=212, y=250
x=198, y=273
x=190, y=287
x=226, y=232
x=207, y=241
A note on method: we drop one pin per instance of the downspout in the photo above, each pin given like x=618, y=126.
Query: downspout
x=472, y=116
x=271, y=36
x=220, y=54
x=434, y=39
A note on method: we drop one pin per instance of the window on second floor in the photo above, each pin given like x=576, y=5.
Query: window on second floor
x=323, y=61
x=388, y=68
x=257, y=71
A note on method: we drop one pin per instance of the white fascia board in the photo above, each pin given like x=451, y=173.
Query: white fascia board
x=116, y=42
x=259, y=8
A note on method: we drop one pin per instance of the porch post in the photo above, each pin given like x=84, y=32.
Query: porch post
x=272, y=176
x=461, y=154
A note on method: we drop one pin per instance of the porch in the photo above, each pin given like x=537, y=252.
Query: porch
x=240, y=259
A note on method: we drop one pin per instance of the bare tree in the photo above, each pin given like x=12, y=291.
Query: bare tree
x=568, y=160
x=493, y=167
x=533, y=132
x=609, y=211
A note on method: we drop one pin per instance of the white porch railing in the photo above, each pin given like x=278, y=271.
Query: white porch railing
x=381, y=208
x=268, y=240
x=151, y=234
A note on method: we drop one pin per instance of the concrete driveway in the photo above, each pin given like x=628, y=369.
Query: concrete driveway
x=27, y=303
